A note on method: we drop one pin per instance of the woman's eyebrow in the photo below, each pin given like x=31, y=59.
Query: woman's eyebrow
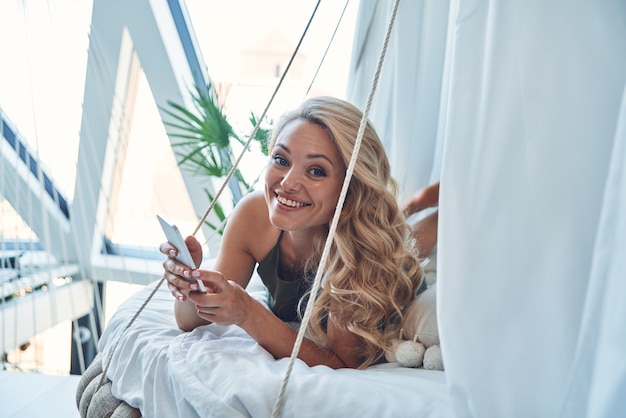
x=309, y=156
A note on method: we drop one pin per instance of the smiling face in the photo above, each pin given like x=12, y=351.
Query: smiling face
x=304, y=177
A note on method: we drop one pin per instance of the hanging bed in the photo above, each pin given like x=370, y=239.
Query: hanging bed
x=219, y=371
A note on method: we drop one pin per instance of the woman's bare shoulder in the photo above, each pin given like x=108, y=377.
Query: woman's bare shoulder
x=252, y=201
x=250, y=223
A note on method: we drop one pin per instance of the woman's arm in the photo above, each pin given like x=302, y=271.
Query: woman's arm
x=425, y=230
x=428, y=197
x=231, y=304
x=425, y=234
x=278, y=338
x=235, y=258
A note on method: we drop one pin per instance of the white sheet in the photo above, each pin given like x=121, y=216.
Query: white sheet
x=217, y=371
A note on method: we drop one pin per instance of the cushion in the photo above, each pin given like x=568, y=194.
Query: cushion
x=421, y=318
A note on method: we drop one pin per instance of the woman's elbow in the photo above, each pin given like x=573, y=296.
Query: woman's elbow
x=187, y=320
x=184, y=325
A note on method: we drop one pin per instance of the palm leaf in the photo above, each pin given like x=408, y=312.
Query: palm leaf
x=204, y=134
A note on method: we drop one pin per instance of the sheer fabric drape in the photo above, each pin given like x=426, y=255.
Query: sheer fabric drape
x=523, y=121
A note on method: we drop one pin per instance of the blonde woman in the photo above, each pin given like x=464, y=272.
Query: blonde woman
x=372, y=272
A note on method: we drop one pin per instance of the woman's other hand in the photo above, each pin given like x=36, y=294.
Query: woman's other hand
x=428, y=197
x=225, y=302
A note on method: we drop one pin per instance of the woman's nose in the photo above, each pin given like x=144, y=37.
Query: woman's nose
x=290, y=181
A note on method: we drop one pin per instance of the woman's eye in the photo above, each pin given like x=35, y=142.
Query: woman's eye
x=317, y=172
x=279, y=160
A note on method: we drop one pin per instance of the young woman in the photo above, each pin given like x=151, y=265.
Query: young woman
x=372, y=272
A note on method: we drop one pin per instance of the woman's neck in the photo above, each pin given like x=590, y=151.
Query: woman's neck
x=297, y=248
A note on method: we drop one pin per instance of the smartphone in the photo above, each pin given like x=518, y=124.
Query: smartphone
x=175, y=238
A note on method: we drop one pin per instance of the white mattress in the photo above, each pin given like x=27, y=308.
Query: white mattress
x=217, y=371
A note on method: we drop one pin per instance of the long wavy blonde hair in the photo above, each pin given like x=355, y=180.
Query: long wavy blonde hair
x=372, y=271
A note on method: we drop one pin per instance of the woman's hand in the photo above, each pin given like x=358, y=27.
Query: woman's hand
x=427, y=197
x=177, y=275
x=225, y=303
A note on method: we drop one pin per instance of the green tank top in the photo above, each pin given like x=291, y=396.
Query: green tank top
x=284, y=295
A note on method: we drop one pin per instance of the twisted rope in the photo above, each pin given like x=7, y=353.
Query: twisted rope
x=333, y=227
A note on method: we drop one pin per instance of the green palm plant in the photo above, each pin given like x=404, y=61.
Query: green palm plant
x=205, y=143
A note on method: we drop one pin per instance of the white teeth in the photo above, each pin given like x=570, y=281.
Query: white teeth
x=289, y=202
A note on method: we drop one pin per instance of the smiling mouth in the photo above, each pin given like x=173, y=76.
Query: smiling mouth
x=291, y=203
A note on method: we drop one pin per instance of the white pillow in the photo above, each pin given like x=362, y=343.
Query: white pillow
x=420, y=318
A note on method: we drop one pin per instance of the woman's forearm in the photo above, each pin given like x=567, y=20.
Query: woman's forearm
x=187, y=316
x=278, y=338
x=425, y=234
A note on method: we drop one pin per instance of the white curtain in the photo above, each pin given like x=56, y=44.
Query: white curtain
x=405, y=111
x=532, y=238
x=598, y=380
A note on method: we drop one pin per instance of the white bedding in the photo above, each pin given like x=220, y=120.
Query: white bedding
x=217, y=371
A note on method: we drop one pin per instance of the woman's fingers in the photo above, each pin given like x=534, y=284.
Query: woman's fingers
x=210, y=306
x=214, y=281
x=226, y=304
x=179, y=279
x=176, y=272
x=195, y=249
x=176, y=292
